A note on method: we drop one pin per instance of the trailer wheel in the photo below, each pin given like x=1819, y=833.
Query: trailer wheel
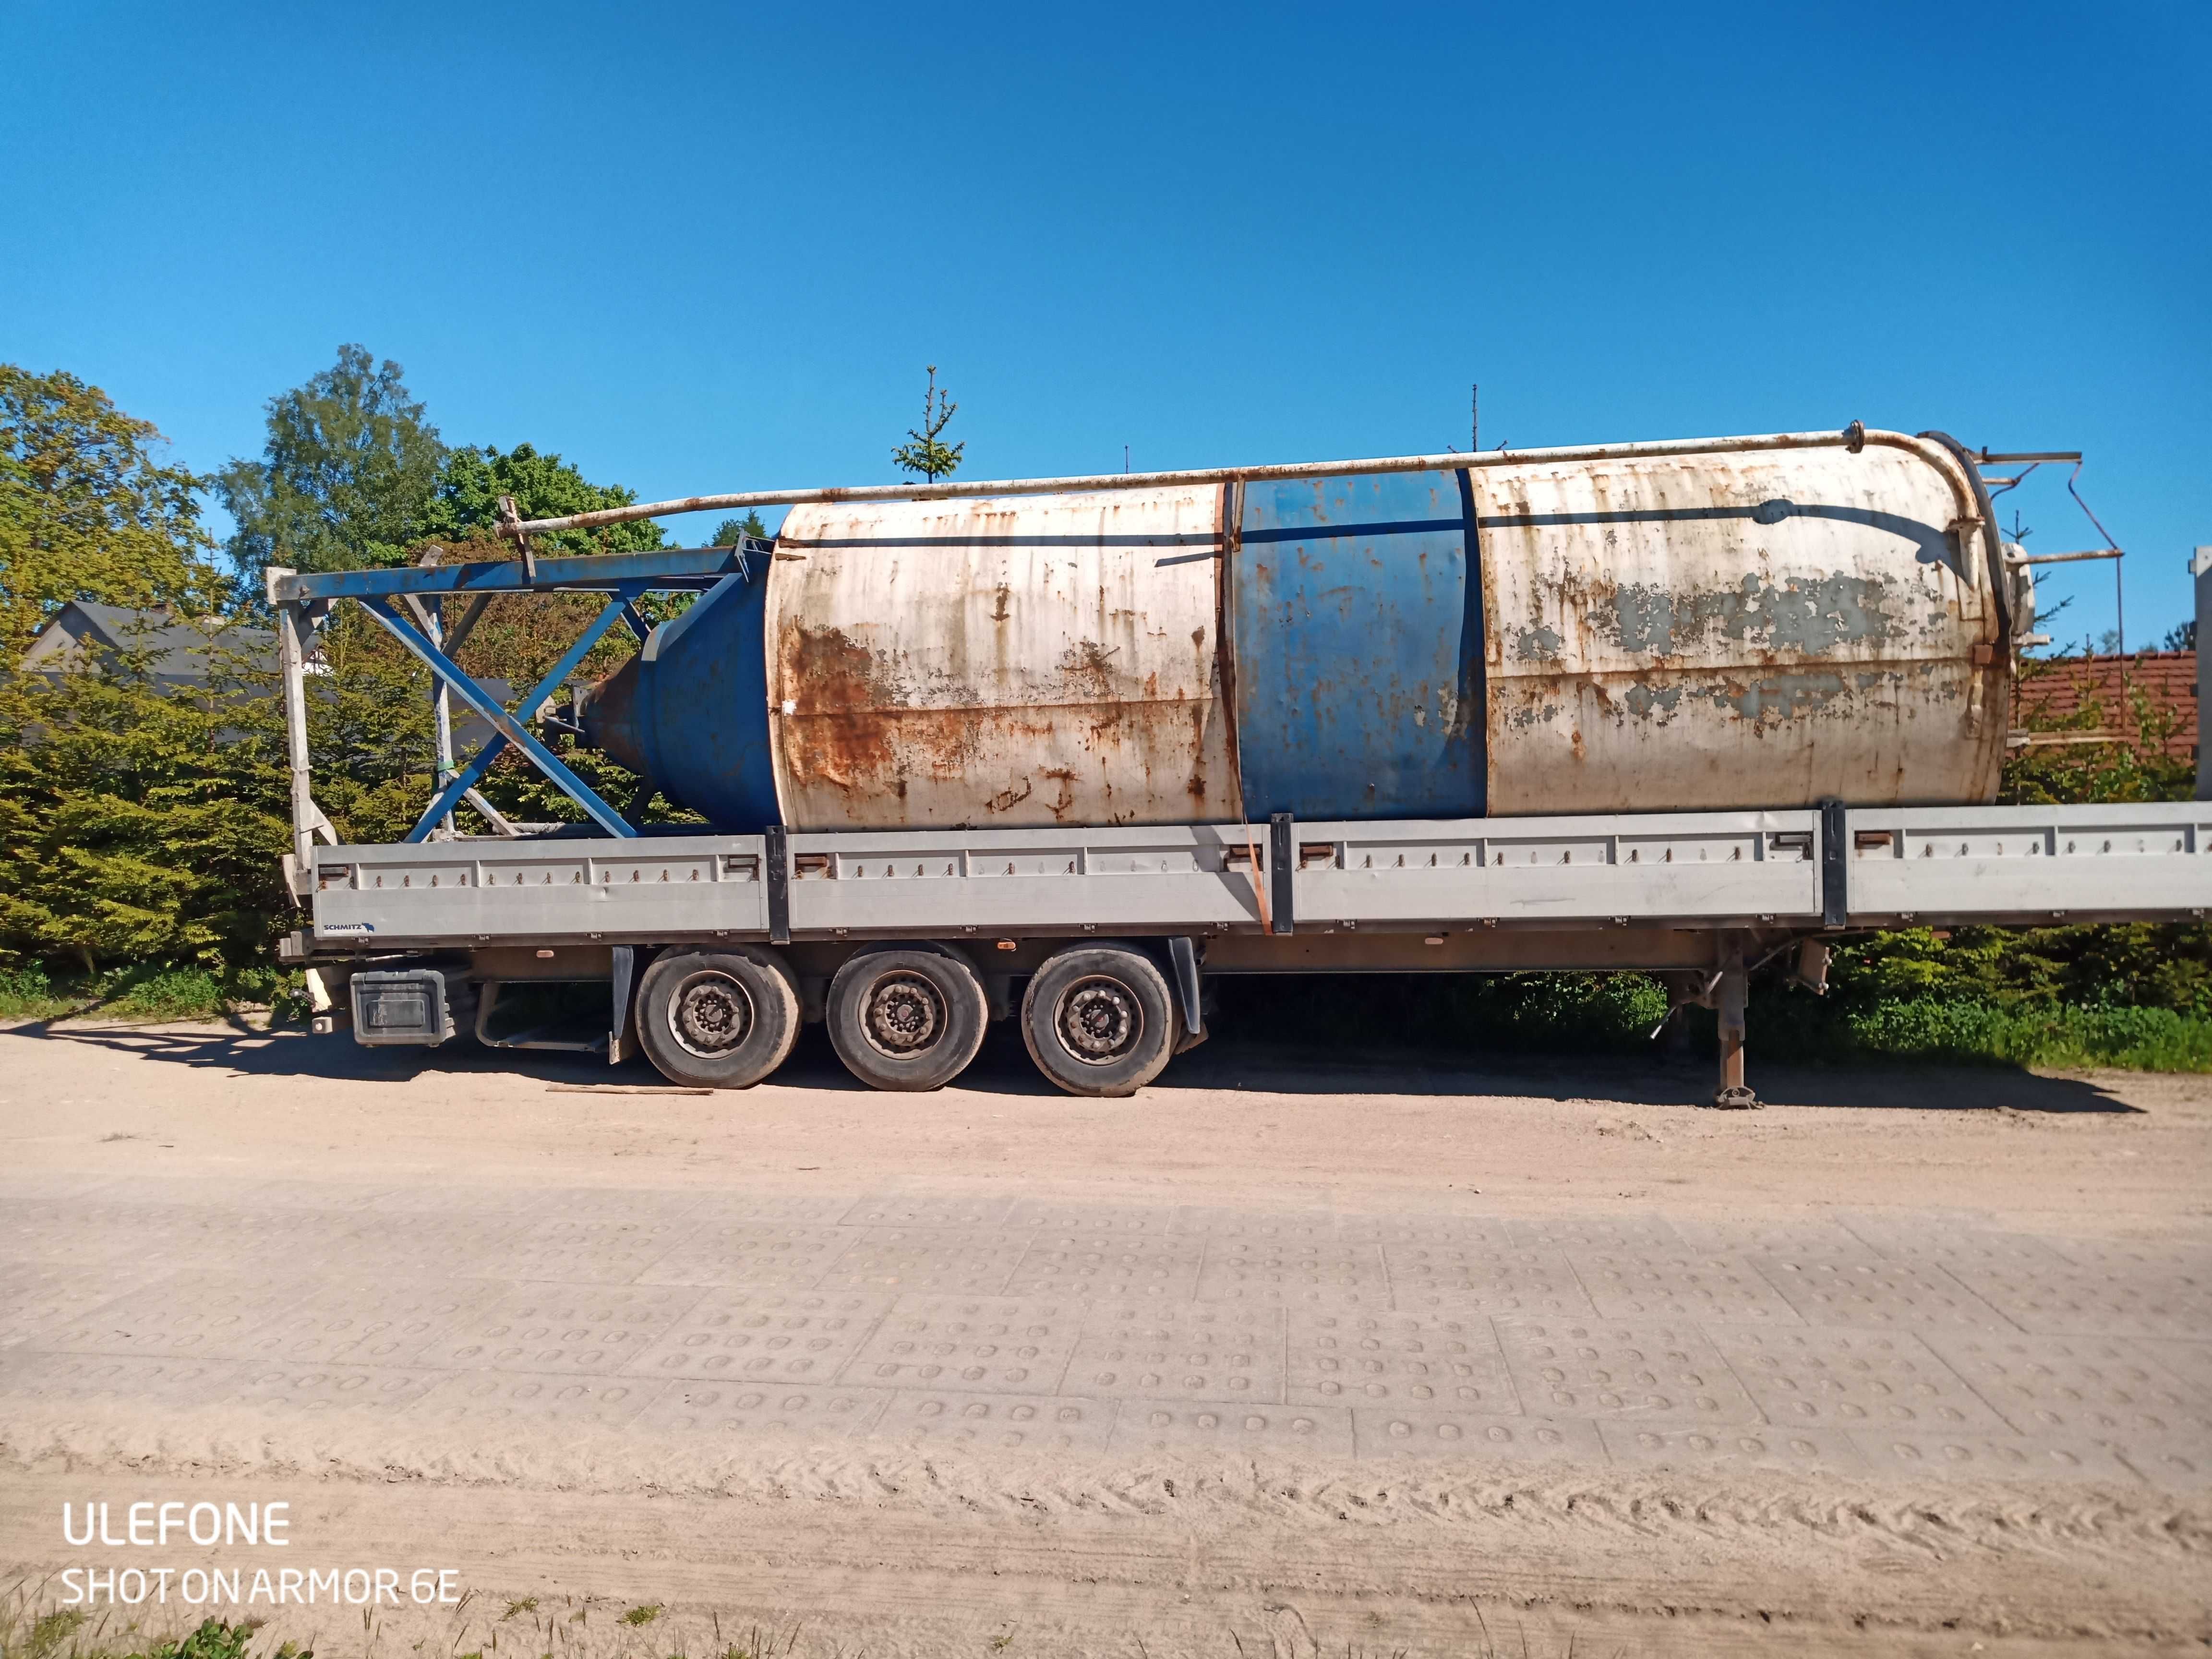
x=910, y=1018
x=717, y=1019
x=1099, y=1020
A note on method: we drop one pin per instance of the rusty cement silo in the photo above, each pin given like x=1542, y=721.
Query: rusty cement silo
x=1745, y=628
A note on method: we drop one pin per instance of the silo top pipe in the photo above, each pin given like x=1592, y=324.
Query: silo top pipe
x=1853, y=437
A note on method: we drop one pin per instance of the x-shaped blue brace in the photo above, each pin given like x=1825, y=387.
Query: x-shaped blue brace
x=510, y=726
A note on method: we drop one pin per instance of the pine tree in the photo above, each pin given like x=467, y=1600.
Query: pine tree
x=731, y=530
x=927, y=454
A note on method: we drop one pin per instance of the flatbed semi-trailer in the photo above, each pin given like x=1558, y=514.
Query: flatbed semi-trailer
x=716, y=942
x=1702, y=897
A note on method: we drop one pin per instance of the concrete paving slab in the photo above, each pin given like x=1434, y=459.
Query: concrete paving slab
x=1079, y=1217
x=1291, y=1224
x=37, y=1293
x=1609, y=1369
x=927, y=1260
x=1824, y=1450
x=2063, y=1300
x=929, y=1208
x=1293, y=1273
x=2098, y=1387
x=1461, y=1233
x=2181, y=1256
x=559, y=1328
x=223, y=1193
x=73, y=1234
x=1420, y=1360
x=274, y=1391
x=636, y=1205
x=977, y=1344
x=447, y=1244
x=2180, y=1463
x=759, y=1208
x=368, y=1321
x=585, y=1249
x=2191, y=1362
x=1227, y=1428
x=757, y=1335
x=1003, y=1422
x=1113, y=1267
x=225, y=1238
x=1819, y=1377
x=1878, y=1294
x=1919, y=1238
x=417, y=1198
x=1630, y=1231
x=1792, y=1235
x=1178, y=1350
x=1402, y=1434
x=1430, y=1277
x=1991, y=1457
x=473, y=1404
x=730, y=1416
x=796, y=1255
x=1680, y=1285
x=189, y=1312
x=127, y=1383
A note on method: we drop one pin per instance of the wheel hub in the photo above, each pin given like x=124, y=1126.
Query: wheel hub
x=1101, y=1020
x=711, y=1015
x=903, y=1016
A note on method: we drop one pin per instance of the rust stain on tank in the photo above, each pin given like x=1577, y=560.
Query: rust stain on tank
x=835, y=674
x=1065, y=777
x=910, y=668
x=1765, y=630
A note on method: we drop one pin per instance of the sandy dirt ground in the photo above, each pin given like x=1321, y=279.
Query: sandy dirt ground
x=1326, y=1354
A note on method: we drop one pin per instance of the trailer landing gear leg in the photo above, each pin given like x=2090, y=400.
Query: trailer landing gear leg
x=1731, y=995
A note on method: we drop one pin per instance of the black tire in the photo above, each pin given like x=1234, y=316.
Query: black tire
x=909, y=1017
x=717, y=1019
x=1099, y=1020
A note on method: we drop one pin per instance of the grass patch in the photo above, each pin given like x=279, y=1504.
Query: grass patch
x=62, y=1635
x=2139, y=1039
x=1595, y=1014
x=139, y=993
x=26, y=993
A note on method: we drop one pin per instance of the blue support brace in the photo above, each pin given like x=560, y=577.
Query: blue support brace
x=506, y=728
x=671, y=568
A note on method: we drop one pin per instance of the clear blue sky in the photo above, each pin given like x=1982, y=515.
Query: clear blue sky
x=702, y=247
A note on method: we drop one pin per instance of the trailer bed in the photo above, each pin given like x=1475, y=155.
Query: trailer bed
x=1824, y=869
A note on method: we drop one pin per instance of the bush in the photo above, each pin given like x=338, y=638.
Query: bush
x=1617, y=1013
x=2145, y=1039
x=26, y=993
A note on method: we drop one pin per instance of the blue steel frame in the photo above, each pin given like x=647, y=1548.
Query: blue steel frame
x=624, y=576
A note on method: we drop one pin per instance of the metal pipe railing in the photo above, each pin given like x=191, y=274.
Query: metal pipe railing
x=1854, y=437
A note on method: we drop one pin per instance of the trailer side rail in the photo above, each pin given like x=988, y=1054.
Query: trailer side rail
x=1901, y=865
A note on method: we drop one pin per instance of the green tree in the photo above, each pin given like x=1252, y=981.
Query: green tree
x=141, y=825
x=136, y=823
x=727, y=532
x=465, y=505
x=928, y=454
x=348, y=478
x=87, y=512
